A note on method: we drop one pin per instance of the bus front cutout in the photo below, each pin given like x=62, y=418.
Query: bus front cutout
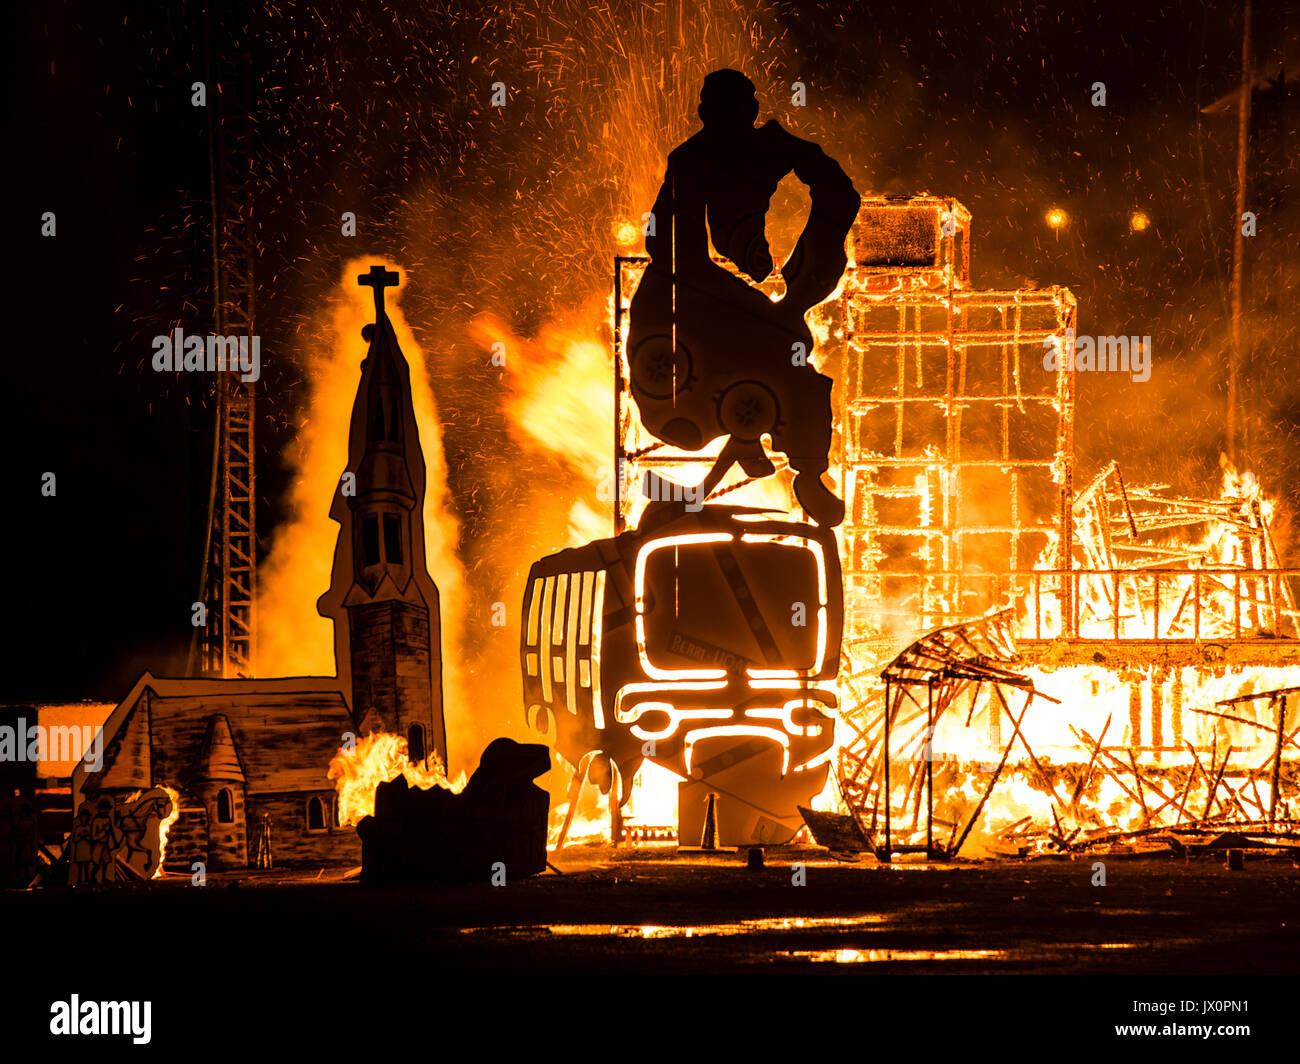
x=707, y=642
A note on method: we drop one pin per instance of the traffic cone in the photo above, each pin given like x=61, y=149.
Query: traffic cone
x=709, y=836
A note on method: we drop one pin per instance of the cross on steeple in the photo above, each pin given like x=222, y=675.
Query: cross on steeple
x=378, y=278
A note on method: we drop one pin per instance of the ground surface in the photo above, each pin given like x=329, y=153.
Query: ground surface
x=296, y=961
x=652, y=910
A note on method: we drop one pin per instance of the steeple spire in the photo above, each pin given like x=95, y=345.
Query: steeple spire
x=378, y=278
x=381, y=598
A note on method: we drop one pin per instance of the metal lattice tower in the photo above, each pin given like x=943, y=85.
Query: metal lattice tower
x=227, y=645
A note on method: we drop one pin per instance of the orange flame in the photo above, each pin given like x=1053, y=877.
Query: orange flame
x=376, y=759
x=165, y=826
x=561, y=405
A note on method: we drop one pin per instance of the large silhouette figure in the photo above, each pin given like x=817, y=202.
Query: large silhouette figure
x=710, y=354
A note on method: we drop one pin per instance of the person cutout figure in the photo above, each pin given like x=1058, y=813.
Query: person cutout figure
x=709, y=353
x=81, y=848
x=104, y=842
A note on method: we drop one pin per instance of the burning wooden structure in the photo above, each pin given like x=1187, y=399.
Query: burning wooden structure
x=956, y=445
x=967, y=541
x=964, y=678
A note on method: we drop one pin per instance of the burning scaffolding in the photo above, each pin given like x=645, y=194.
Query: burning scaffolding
x=1122, y=603
x=944, y=663
x=957, y=446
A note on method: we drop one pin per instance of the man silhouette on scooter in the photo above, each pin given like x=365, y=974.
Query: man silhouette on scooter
x=709, y=353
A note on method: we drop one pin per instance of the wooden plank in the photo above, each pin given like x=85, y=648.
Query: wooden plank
x=835, y=831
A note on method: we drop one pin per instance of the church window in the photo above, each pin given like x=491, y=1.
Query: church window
x=225, y=806
x=392, y=540
x=370, y=538
x=315, y=814
x=415, y=743
x=378, y=428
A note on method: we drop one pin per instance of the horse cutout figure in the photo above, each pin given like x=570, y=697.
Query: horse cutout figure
x=111, y=836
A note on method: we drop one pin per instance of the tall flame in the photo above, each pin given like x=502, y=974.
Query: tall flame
x=165, y=826
x=560, y=403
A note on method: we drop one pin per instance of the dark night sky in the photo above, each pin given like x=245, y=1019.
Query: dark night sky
x=369, y=105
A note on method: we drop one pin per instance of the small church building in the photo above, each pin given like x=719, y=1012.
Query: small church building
x=244, y=755
x=250, y=757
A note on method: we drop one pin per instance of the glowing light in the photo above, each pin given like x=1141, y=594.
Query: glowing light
x=675, y=718
x=785, y=714
x=1139, y=221
x=626, y=233
x=1057, y=218
x=597, y=610
x=626, y=716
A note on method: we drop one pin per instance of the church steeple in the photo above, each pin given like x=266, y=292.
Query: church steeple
x=381, y=598
x=383, y=508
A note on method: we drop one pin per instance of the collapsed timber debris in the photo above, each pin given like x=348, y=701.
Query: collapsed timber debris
x=905, y=797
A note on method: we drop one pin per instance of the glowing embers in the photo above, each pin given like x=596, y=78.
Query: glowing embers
x=888, y=956
x=655, y=931
x=911, y=241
